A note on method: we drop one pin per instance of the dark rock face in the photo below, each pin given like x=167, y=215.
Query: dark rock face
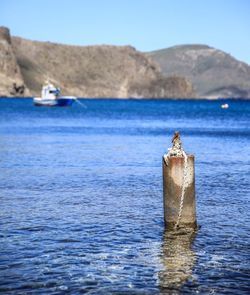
x=89, y=71
x=212, y=72
x=17, y=90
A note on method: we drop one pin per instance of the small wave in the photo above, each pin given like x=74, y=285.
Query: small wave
x=35, y=228
x=68, y=241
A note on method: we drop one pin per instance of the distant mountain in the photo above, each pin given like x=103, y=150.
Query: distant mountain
x=213, y=72
x=185, y=71
x=84, y=71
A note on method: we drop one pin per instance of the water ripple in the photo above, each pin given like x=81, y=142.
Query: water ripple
x=81, y=199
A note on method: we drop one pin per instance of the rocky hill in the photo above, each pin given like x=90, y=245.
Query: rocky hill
x=89, y=71
x=213, y=72
x=11, y=80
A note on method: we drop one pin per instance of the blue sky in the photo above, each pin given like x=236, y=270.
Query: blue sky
x=145, y=24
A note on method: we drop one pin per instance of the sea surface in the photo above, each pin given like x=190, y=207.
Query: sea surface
x=81, y=198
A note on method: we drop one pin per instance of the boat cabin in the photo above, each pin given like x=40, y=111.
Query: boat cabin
x=49, y=91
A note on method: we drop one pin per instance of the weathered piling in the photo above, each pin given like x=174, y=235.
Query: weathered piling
x=179, y=187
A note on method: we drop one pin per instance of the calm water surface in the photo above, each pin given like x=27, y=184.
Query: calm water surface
x=81, y=198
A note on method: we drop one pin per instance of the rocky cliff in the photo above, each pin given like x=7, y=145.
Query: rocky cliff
x=89, y=71
x=212, y=72
x=11, y=79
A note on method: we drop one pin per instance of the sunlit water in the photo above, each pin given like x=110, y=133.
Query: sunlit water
x=81, y=198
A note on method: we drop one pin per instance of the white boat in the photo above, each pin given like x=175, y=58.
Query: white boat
x=225, y=106
x=50, y=97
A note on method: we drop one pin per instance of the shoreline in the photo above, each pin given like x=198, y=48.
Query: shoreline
x=142, y=98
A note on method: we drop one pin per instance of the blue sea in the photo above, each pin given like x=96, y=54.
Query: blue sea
x=81, y=206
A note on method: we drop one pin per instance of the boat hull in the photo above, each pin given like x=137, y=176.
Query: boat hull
x=58, y=102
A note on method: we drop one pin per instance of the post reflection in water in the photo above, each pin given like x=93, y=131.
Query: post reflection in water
x=177, y=258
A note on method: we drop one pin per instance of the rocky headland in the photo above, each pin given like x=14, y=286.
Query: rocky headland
x=11, y=78
x=105, y=71
x=213, y=73
x=84, y=71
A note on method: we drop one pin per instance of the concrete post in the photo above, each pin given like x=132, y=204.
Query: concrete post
x=179, y=202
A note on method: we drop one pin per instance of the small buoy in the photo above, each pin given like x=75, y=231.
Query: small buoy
x=225, y=106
